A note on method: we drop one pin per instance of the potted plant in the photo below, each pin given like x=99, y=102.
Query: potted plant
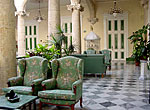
x=47, y=52
x=58, y=42
x=141, y=47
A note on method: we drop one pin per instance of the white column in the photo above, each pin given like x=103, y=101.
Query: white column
x=8, y=67
x=20, y=6
x=76, y=7
x=21, y=33
x=145, y=13
x=53, y=16
x=149, y=12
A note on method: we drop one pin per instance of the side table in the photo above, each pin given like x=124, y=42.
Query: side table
x=25, y=100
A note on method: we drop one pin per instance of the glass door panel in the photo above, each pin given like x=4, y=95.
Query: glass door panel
x=116, y=38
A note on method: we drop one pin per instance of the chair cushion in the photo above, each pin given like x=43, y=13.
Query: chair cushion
x=58, y=102
x=20, y=90
x=57, y=94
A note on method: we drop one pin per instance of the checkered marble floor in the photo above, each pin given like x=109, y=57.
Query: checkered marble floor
x=120, y=89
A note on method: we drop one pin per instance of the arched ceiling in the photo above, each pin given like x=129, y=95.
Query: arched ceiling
x=33, y=4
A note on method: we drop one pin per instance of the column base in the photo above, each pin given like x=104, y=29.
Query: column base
x=142, y=78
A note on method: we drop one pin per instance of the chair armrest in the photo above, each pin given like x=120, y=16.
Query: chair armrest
x=37, y=81
x=36, y=85
x=77, y=87
x=15, y=81
x=49, y=84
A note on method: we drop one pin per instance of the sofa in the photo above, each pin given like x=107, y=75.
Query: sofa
x=93, y=63
x=89, y=52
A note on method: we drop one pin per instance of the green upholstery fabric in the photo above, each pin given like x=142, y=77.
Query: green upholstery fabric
x=50, y=83
x=57, y=102
x=58, y=94
x=93, y=63
x=32, y=71
x=107, y=54
x=67, y=75
x=16, y=81
x=19, y=89
x=90, y=52
x=78, y=86
x=22, y=67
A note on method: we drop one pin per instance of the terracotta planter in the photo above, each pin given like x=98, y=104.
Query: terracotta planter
x=137, y=63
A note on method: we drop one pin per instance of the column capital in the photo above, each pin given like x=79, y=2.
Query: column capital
x=75, y=7
x=75, y=1
x=21, y=13
x=144, y=3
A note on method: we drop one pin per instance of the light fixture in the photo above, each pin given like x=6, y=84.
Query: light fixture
x=39, y=18
x=114, y=11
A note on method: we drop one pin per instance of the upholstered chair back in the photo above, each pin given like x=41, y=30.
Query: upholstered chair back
x=66, y=71
x=33, y=68
x=107, y=54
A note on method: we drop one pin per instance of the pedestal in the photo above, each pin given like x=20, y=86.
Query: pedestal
x=143, y=69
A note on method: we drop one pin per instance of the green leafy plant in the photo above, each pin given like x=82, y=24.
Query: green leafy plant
x=58, y=40
x=141, y=48
x=45, y=51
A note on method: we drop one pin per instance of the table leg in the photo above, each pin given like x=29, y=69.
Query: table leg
x=34, y=104
x=24, y=107
x=29, y=106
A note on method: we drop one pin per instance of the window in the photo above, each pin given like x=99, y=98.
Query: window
x=30, y=27
x=122, y=25
x=116, y=41
x=116, y=25
x=70, y=27
x=66, y=28
x=109, y=25
x=31, y=35
x=109, y=44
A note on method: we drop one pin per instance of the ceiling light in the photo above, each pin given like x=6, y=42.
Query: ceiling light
x=39, y=18
x=115, y=11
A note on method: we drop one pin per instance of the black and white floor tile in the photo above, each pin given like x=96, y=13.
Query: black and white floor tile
x=120, y=89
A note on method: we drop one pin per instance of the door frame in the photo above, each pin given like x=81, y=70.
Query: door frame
x=119, y=16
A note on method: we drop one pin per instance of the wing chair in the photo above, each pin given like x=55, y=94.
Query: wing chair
x=107, y=54
x=65, y=87
x=32, y=72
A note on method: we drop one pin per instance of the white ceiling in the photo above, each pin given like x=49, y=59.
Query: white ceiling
x=33, y=4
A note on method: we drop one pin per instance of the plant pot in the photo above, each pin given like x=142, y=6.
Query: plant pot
x=137, y=63
x=49, y=74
